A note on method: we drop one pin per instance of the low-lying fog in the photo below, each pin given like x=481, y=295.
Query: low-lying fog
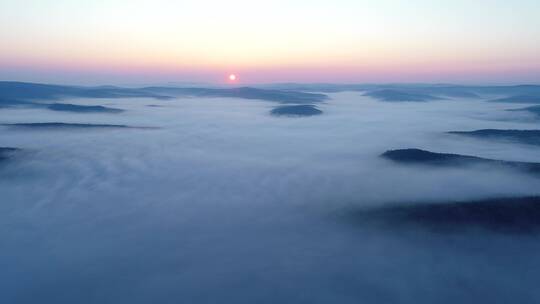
x=225, y=203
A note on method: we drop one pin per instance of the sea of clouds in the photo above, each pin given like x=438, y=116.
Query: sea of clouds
x=224, y=203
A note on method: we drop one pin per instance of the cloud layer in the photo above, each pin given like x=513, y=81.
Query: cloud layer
x=225, y=202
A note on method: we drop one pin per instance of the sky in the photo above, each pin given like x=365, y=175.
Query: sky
x=340, y=41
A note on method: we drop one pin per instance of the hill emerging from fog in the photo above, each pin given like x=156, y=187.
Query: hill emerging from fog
x=503, y=215
x=531, y=137
x=66, y=107
x=298, y=110
x=533, y=109
x=62, y=125
x=520, y=99
x=6, y=153
x=423, y=157
x=399, y=95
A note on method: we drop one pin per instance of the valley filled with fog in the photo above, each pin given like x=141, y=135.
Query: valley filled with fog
x=212, y=197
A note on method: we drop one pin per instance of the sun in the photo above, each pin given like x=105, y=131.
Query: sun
x=232, y=77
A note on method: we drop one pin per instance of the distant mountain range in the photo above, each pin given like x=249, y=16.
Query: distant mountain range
x=29, y=94
x=423, y=92
x=280, y=96
x=32, y=94
x=436, y=89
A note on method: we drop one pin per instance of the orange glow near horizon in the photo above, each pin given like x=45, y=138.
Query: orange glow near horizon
x=366, y=41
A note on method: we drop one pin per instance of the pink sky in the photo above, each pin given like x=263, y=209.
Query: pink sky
x=143, y=42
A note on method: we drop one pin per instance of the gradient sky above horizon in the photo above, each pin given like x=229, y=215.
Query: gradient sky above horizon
x=122, y=42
